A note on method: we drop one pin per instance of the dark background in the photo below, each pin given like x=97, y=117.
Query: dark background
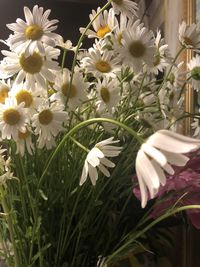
x=71, y=15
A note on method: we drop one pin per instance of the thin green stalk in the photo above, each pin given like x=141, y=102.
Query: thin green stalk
x=10, y=226
x=140, y=233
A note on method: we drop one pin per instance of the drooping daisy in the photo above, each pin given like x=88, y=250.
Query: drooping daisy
x=32, y=34
x=75, y=95
x=101, y=64
x=97, y=157
x=194, y=68
x=155, y=156
x=189, y=35
x=23, y=141
x=13, y=118
x=138, y=47
x=108, y=92
x=48, y=122
x=34, y=68
x=103, y=25
x=126, y=7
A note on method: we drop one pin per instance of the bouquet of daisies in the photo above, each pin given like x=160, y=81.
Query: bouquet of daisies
x=72, y=140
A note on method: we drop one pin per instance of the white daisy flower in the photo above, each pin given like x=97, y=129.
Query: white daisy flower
x=34, y=68
x=101, y=64
x=126, y=7
x=122, y=25
x=196, y=127
x=48, y=122
x=176, y=76
x=23, y=141
x=13, y=118
x=102, y=112
x=75, y=95
x=108, y=91
x=138, y=47
x=97, y=157
x=4, y=90
x=34, y=33
x=103, y=25
x=162, y=57
x=189, y=35
x=66, y=44
x=23, y=94
x=155, y=156
x=194, y=68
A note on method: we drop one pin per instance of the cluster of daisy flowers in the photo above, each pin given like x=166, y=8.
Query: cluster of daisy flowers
x=116, y=78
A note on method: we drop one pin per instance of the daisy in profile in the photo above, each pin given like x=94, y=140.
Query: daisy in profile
x=108, y=93
x=162, y=56
x=103, y=25
x=34, y=68
x=126, y=7
x=34, y=33
x=189, y=35
x=138, y=47
x=122, y=25
x=75, y=95
x=155, y=156
x=24, y=141
x=194, y=72
x=101, y=64
x=13, y=118
x=48, y=122
x=97, y=157
x=4, y=90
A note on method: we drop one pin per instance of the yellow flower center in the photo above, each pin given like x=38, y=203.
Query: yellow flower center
x=118, y=2
x=137, y=49
x=45, y=117
x=69, y=91
x=3, y=94
x=22, y=135
x=103, y=66
x=105, y=94
x=31, y=64
x=33, y=32
x=188, y=41
x=11, y=116
x=103, y=31
x=24, y=96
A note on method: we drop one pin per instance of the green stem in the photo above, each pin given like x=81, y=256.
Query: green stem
x=149, y=226
x=10, y=226
x=82, y=125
